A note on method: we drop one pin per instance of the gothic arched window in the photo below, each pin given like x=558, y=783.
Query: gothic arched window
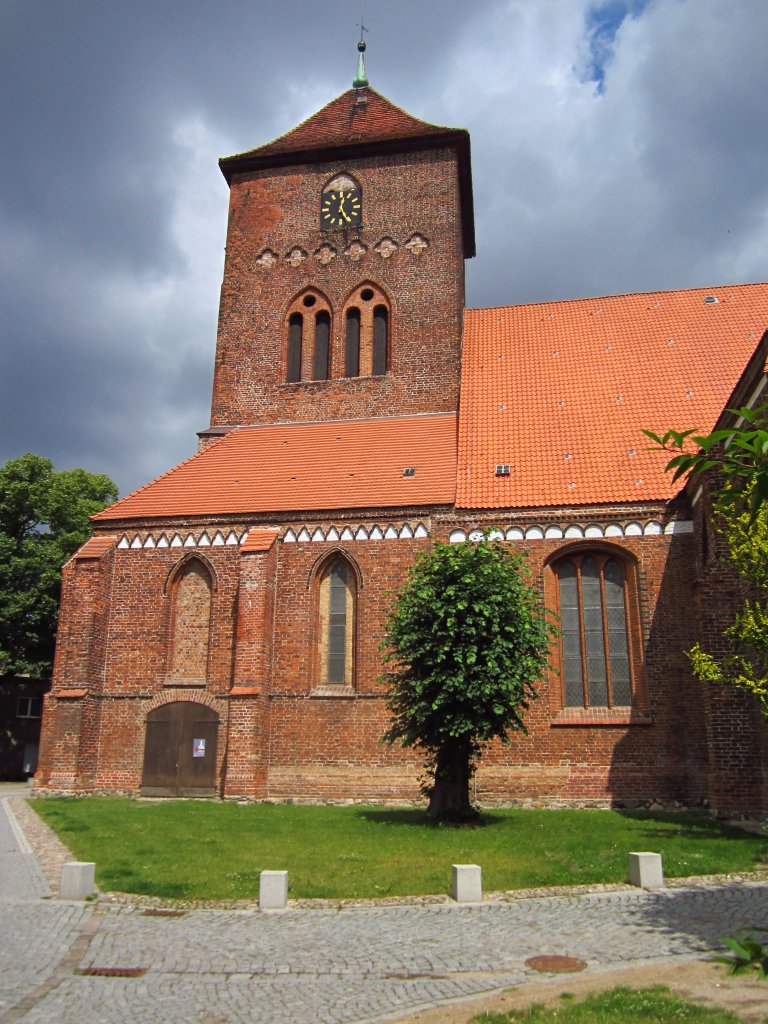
x=308, y=349
x=599, y=659
x=337, y=599
x=367, y=331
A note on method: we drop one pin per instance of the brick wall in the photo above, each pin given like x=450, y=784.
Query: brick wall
x=736, y=733
x=283, y=734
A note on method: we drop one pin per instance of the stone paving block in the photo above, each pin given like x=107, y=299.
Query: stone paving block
x=467, y=883
x=77, y=880
x=273, y=890
x=646, y=871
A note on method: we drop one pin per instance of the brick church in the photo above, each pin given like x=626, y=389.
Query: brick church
x=219, y=634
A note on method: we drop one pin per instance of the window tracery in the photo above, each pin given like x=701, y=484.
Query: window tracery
x=599, y=655
x=336, y=614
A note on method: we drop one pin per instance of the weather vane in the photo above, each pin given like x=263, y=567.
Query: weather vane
x=360, y=81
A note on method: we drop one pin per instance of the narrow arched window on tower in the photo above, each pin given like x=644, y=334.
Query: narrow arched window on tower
x=293, y=362
x=322, y=345
x=352, y=344
x=367, y=338
x=380, y=340
x=308, y=345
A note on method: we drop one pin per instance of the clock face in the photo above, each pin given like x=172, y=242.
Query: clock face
x=341, y=209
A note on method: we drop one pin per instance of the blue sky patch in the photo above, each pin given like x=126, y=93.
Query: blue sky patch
x=602, y=24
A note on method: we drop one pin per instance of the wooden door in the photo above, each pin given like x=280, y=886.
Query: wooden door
x=180, y=750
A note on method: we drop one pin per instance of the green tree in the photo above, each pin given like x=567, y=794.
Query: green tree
x=43, y=520
x=466, y=641
x=739, y=455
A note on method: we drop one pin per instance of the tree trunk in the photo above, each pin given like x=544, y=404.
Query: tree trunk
x=449, y=794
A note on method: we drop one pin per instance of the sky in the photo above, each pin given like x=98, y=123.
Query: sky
x=617, y=146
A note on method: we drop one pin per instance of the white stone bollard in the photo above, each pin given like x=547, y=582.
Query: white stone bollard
x=467, y=883
x=646, y=871
x=77, y=880
x=273, y=890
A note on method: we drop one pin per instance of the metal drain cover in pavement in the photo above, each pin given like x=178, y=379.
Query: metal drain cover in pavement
x=556, y=964
x=112, y=972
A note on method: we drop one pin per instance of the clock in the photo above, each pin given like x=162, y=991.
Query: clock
x=341, y=209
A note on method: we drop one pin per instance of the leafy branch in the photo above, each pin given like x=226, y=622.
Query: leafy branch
x=740, y=452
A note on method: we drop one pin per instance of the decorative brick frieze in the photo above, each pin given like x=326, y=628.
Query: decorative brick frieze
x=573, y=531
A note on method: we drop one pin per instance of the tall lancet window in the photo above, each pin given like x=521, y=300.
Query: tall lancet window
x=336, y=623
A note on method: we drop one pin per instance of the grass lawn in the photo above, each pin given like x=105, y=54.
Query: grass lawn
x=619, y=1006
x=191, y=849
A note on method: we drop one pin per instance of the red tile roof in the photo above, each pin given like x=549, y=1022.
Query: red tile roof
x=561, y=391
x=96, y=547
x=357, y=116
x=259, y=540
x=306, y=466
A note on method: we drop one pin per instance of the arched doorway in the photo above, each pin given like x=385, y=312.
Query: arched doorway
x=180, y=750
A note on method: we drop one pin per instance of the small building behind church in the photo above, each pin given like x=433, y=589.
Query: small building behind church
x=219, y=633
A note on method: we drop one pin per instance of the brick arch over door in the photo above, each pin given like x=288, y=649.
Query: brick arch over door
x=179, y=693
x=180, y=746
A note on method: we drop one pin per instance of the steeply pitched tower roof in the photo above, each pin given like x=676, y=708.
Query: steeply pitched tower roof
x=361, y=123
x=356, y=117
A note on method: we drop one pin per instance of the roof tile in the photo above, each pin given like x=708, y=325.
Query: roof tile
x=347, y=119
x=561, y=391
x=96, y=547
x=306, y=466
x=259, y=540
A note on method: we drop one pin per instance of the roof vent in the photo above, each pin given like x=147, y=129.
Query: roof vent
x=409, y=471
x=710, y=299
x=502, y=469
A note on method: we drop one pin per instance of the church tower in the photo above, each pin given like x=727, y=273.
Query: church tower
x=343, y=290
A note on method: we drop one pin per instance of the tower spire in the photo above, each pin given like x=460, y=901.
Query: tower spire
x=360, y=81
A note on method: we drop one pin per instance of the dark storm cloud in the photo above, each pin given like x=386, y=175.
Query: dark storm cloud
x=618, y=145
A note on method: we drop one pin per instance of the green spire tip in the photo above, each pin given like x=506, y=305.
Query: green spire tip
x=360, y=81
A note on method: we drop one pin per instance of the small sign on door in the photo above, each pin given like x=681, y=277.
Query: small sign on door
x=198, y=748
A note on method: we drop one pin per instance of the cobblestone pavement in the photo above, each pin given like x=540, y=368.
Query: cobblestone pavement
x=322, y=965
